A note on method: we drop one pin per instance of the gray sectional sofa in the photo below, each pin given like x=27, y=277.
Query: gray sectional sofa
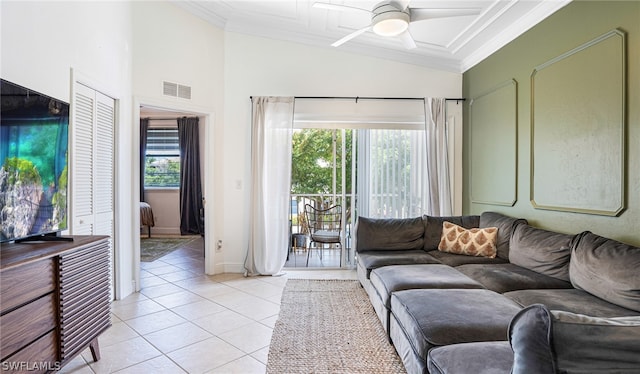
x=441, y=310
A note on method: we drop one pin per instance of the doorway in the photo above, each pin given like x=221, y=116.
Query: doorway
x=182, y=256
x=322, y=166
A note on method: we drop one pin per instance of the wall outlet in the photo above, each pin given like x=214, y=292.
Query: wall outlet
x=219, y=246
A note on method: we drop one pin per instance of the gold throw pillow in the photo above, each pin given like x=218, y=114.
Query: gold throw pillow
x=470, y=242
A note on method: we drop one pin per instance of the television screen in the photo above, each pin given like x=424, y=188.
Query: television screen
x=34, y=174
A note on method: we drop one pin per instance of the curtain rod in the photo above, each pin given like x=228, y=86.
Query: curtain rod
x=166, y=118
x=356, y=98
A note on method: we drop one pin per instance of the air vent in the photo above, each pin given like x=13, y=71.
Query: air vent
x=170, y=89
x=184, y=92
x=176, y=90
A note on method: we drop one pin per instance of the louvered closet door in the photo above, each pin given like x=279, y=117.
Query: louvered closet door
x=83, y=136
x=104, y=156
x=93, y=160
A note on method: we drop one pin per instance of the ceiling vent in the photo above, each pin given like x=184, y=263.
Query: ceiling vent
x=176, y=90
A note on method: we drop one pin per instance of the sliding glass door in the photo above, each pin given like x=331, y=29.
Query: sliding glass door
x=322, y=176
x=369, y=156
x=391, y=171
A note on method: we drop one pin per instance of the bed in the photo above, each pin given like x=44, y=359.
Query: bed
x=146, y=216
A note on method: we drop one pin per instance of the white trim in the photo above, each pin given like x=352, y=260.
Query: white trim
x=208, y=188
x=532, y=18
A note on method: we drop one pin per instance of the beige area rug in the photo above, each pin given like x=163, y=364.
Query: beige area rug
x=152, y=249
x=329, y=326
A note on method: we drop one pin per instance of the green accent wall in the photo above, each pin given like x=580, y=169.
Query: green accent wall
x=574, y=25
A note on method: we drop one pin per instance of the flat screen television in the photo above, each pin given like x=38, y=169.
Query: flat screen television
x=34, y=142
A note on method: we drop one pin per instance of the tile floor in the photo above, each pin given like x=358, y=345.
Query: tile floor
x=183, y=321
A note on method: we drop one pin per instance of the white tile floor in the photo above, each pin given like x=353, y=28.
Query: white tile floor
x=185, y=322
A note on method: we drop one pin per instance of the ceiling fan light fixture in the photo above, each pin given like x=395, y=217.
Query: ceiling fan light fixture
x=390, y=27
x=387, y=20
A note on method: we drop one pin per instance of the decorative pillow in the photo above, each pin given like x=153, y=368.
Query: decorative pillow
x=433, y=228
x=471, y=242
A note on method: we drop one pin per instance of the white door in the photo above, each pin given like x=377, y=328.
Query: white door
x=92, y=163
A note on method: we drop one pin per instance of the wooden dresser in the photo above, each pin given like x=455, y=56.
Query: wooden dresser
x=54, y=302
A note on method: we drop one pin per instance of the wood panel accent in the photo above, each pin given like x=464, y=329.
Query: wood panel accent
x=84, y=297
x=38, y=357
x=18, y=331
x=55, y=302
x=23, y=284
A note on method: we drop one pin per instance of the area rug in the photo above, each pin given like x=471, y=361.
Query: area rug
x=329, y=326
x=152, y=249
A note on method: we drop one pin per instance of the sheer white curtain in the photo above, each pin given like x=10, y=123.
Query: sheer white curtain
x=437, y=157
x=392, y=180
x=272, y=128
x=403, y=169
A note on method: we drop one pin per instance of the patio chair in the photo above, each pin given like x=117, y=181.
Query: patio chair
x=325, y=226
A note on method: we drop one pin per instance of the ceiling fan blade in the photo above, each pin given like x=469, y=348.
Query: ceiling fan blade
x=402, y=4
x=407, y=40
x=351, y=36
x=344, y=8
x=420, y=14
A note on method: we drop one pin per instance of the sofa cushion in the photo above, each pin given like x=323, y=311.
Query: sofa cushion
x=469, y=242
x=476, y=358
x=570, y=300
x=596, y=345
x=505, y=225
x=433, y=228
x=388, y=279
x=509, y=277
x=542, y=251
x=606, y=268
x=374, y=259
x=453, y=259
x=374, y=234
x=430, y=318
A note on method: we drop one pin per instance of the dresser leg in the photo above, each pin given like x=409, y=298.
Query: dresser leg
x=95, y=349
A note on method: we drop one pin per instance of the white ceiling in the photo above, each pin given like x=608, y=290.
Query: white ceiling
x=452, y=44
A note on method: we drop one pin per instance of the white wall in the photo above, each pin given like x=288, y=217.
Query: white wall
x=172, y=45
x=258, y=66
x=42, y=41
x=166, y=211
x=129, y=48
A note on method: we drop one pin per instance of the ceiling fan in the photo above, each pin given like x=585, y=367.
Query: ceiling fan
x=392, y=18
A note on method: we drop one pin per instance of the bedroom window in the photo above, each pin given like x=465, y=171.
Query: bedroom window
x=162, y=158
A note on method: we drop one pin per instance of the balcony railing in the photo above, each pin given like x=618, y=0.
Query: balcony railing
x=298, y=221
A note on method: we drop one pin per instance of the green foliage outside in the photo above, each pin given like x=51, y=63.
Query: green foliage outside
x=162, y=172
x=312, y=161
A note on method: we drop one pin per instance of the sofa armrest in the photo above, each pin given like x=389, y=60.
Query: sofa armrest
x=546, y=341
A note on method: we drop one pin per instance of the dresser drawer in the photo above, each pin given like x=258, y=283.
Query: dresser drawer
x=22, y=284
x=38, y=357
x=26, y=324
